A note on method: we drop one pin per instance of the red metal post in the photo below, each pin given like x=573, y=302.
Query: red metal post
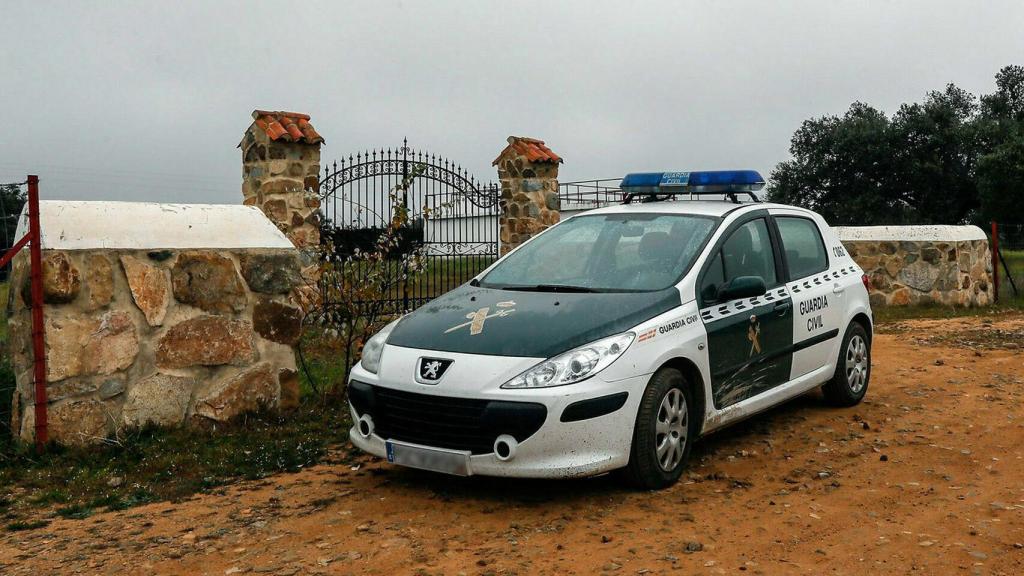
x=995, y=259
x=36, y=279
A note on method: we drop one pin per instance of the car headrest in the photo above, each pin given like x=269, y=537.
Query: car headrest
x=656, y=246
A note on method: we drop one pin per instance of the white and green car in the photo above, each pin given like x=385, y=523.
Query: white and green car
x=617, y=338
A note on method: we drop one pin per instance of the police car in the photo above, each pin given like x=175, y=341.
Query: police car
x=617, y=338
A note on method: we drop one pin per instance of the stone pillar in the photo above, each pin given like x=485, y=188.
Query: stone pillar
x=280, y=173
x=528, y=171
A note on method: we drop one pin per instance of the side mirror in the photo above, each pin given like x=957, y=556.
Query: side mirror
x=742, y=287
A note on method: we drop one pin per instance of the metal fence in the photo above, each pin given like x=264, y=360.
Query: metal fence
x=1008, y=264
x=589, y=194
x=453, y=217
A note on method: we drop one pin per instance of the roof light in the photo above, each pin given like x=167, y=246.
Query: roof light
x=707, y=182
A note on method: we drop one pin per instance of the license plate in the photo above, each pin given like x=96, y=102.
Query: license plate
x=427, y=458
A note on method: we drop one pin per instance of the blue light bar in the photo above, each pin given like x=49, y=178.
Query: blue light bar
x=708, y=182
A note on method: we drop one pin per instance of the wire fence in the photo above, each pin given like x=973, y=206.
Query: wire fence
x=1010, y=259
x=12, y=199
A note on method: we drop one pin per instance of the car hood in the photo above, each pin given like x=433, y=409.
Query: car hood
x=477, y=320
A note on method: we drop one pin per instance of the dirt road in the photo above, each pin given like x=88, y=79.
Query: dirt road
x=926, y=476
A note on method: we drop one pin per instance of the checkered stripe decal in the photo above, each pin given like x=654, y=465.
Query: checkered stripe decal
x=823, y=278
x=713, y=313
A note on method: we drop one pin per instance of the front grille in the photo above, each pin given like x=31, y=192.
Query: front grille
x=444, y=421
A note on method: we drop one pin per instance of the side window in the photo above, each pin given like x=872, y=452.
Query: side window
x=748, y=252
x=714, y=277
x=803, y=246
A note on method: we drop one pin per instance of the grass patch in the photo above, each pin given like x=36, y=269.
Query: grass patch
x=892, y=314
x=1015, y=263
x=33, y=525
x=154, y=464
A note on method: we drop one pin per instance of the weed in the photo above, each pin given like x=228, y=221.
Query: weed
x=32, y=525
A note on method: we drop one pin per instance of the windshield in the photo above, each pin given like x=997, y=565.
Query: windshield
x=606, y=253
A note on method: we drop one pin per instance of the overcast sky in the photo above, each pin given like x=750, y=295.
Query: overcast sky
x=147, y=100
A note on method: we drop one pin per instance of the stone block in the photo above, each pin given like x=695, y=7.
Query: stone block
x=277, y=167
x=290, y=390
x=84, y=346
x=208, y=281
x=931, y=255
x=275, y=273
x=888, y=248
x=99, y=281
x=160, y=399
x=71, y=388
x=77, y=422
x=256, y=153
x=901, y=297
x=61, y=279
x=111, y=388
x=207, y=341
x=247, y=391
x=282, y=186
x=920, y=276
x=531, y=185
x=277, y=210
x=947, y=277
x=149, y=287
x=277, y=322
x=893, y=266
x=551, y=201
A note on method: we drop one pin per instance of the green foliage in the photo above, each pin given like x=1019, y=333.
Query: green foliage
x=12, y=198
x=358, y=289
x=949, y=159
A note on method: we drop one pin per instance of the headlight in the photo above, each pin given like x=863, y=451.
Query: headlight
x=575, y=365
x=374, y=347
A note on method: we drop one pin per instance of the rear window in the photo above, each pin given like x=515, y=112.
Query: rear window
x=803, y=246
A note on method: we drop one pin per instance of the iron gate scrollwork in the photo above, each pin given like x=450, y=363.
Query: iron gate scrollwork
x=453, y=217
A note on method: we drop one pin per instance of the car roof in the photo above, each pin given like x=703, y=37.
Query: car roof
x=696, y=207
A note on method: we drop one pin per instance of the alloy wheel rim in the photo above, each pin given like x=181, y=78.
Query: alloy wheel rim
x=857, y=364
x=670, y=430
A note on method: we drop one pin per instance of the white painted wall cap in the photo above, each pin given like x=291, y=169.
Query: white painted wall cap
x=937, y=233
x=81, y=225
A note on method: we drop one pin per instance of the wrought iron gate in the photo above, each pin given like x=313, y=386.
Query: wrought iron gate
x=453, y=216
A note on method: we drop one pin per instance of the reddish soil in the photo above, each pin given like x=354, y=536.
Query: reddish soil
x=926, y=476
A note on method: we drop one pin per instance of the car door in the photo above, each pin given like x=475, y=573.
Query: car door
x=749, y=339
x=817, y=292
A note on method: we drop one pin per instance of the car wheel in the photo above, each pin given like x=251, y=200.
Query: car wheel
x=853, y=369
x=664, y=432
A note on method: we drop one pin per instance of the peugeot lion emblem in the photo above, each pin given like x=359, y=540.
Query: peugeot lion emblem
x=430, y=370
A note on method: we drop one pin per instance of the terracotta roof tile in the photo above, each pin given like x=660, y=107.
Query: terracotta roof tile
x=533, y=149
x=287, y=126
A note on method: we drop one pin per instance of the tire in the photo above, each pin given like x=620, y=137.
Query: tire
x=853, y=369
x=647, y=469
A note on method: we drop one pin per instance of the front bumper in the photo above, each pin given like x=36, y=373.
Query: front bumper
x=558, y=449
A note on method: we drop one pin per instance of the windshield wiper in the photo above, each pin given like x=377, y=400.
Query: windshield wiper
x=551, y=288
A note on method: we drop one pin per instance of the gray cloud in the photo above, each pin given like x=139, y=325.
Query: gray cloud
x=147, y=101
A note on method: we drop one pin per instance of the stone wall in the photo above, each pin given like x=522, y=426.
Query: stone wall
x=156, y=336
x=528, y=171
x=911, y=265
x=137, y=333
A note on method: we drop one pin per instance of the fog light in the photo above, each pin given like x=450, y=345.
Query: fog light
x=365, y=426
x=505, y=447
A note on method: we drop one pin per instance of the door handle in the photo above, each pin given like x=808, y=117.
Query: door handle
x=838, y=288
x=783, y=307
